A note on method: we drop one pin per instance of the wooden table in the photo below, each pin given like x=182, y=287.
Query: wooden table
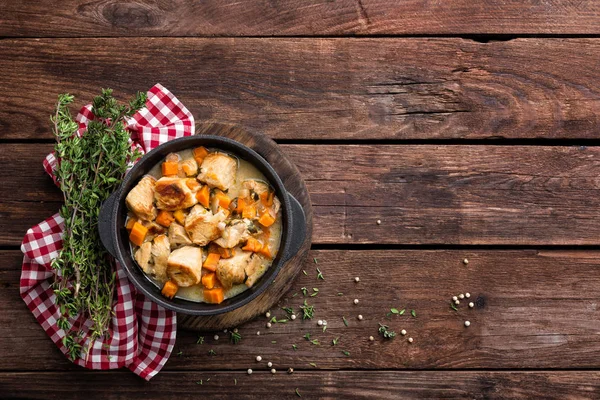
x=470, y=129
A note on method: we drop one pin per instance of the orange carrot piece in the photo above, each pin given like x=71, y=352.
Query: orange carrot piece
x=226, y=253
x=165, y=218
x=130, y=222
x=266, y=219
x=203, y=196
x=209, y=280
x=222, y=199
x=138, y=234
x=211, y=261
x=179, y=216
x=169, y=289
x=249, y=212
x=252, y=245
x=265, y=252
x=199, y=154
x=170, y=168
x=267, y=198
x=239, y=205
x=214, y=296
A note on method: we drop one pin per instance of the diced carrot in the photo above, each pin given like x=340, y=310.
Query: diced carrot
x=209, y=280
x=203, y=196
x=199, y=154
x=211, y=261
x=130, y=222
x=267, y=198
x=252, y=245
x=165, y=218
x=266, y=219
x=170, y=168
x=179, y=216
x=222, y=199
x=214, y=296
x=138, y=234
x=192, y=184
x=169, y=289
x=265, y=251
x=249, y=212
x=239, y=205
x=226, y=253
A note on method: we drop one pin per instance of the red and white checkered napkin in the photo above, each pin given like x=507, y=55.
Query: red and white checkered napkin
x=142, y=333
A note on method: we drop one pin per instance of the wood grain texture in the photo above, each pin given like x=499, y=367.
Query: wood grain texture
x=409, y=88
x=423, y=194
x=293, y=17
x=310, y=385
x=292, y=180
x=534, y=309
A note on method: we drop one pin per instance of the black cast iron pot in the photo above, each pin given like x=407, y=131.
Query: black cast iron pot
x=115, y=238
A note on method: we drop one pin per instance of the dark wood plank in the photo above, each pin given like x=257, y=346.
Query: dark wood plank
x=535, y=309
x=310, y=385
x=512, y=195
x=293, y=17
x=415, y=88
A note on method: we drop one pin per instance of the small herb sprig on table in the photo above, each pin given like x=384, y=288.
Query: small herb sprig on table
x=90, y=167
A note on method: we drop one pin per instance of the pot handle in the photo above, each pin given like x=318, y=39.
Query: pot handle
x=105, y=224
x=298, y=229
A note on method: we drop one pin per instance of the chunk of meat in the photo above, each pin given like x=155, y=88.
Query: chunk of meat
x=184, y=266
x=232, y=271
x=140, y=199
x=189, y=167
x=201, y=225
x=161, y=248
x=171, y=193
x=154, y=230
x=177, y=235
x=233, y=234
x=257, y=186
x=142, y=256
x=255, y=269
x=218, y=170
x=276, y=205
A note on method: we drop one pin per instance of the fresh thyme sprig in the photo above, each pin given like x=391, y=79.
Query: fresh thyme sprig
x=307, y=310
x=90, y=167
x=385, y=332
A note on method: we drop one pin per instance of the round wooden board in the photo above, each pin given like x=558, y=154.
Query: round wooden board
x=293, y=182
